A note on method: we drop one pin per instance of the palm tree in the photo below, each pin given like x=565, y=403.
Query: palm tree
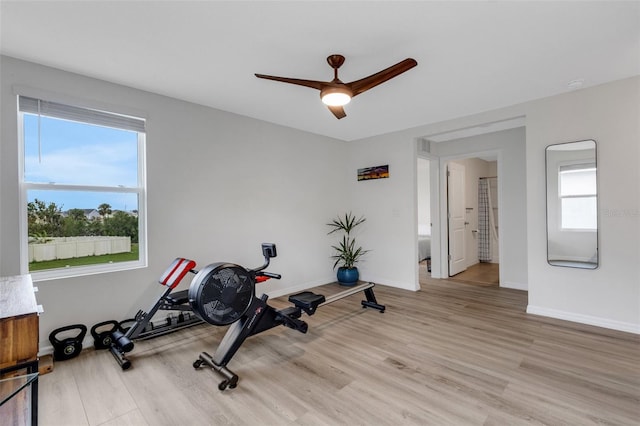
x=104, y=210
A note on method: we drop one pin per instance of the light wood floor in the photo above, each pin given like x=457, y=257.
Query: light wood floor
x=450, y=354
x=485, y=274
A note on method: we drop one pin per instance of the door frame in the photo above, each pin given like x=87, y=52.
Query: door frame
x=434, y=208
x=440, y=223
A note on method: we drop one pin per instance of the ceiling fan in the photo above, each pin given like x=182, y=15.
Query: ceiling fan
x=335, y=94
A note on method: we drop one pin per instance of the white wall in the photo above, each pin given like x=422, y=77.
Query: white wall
x=219, y=184
x=608, y=296
x=390, y=207
x=394, y=203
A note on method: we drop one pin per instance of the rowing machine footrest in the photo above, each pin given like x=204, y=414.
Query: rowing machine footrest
x=307, y=301
x=289, y=317
x=178, y=297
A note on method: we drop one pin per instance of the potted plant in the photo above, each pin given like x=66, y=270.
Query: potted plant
x=347, y=253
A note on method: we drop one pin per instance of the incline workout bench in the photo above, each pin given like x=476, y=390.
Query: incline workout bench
x=142, y=328
x=224, y=293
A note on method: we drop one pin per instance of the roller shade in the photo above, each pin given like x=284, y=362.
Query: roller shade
x=83, y=115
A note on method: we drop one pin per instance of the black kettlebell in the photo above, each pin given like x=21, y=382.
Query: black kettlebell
x=125, y=325
x=69, y=347
x=103, y=339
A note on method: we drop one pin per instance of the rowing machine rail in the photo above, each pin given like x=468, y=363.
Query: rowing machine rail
x=219, y=294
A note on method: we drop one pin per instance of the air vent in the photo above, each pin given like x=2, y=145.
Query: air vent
x=424, y=146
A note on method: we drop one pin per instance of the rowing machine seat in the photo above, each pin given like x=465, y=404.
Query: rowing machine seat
x=307, y=301
x=178, y=297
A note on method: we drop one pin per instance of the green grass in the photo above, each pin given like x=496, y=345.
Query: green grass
x=88, y=260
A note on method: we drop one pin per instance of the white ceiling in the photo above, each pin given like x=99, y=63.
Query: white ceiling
x=472, y=56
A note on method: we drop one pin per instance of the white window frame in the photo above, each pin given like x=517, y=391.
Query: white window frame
x=567, y=166
x=102, y=115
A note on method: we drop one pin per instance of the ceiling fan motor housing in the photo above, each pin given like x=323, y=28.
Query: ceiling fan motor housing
x=336, y=95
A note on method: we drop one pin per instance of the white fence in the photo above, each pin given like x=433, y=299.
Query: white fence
x=69, y=247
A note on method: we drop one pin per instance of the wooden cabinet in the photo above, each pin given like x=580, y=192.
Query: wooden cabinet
x=19, y=336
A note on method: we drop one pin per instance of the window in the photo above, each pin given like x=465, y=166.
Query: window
x=83, y=190
x=578, y=203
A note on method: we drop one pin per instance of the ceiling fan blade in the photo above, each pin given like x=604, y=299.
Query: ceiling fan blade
x=373, y=80
x=307, y=83
x=338, y=111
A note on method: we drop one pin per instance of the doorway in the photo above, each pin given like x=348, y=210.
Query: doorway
x=503, y=144
x=424, y=205
x=472, y=206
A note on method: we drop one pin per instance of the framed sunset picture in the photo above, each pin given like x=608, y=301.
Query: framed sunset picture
x=376, y=172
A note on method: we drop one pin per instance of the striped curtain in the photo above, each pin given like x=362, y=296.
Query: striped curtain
x=484, y=222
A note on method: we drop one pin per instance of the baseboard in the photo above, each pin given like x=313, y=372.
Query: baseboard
x=403, y=286
x=47, y=349
x=160, y=319
x=515, y=286
x=584, y=319
x=296, y=289
x=303, y=287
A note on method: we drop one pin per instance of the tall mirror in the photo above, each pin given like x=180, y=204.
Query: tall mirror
x=572, y=205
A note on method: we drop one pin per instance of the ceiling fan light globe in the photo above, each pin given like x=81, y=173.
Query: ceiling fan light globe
x=335, y=97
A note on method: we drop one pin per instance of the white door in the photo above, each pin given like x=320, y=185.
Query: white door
x=456, y=218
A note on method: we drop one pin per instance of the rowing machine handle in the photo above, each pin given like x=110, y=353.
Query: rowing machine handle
x=268, y=251
x=269, y=275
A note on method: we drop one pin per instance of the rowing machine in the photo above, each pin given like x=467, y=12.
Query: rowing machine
x=224, y=293
x=141, y=327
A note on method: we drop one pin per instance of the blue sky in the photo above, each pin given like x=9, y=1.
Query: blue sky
x=80, y=154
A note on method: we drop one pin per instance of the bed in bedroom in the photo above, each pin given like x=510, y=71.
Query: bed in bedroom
x=424, y=247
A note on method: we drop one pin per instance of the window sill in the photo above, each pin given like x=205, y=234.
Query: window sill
x=80, y=271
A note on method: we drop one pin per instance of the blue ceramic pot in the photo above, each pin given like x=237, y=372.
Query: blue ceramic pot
x=348, y=276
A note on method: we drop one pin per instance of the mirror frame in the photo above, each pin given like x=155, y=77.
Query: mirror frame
x=569, y=263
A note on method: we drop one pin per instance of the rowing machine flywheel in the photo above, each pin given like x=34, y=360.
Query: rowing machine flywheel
x=221, y=293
